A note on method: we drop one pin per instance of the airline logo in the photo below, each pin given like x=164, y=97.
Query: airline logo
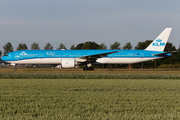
x=159, y=42
x=50, y=53
x=23, y=53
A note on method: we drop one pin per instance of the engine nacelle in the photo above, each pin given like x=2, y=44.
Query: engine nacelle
x=68, y=63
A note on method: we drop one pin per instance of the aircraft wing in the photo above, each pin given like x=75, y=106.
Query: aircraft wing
x=95, y=56
x=161, y=54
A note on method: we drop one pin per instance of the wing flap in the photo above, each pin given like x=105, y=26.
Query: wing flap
x=95, y=56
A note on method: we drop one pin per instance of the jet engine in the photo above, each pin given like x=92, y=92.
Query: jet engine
x=68, y=63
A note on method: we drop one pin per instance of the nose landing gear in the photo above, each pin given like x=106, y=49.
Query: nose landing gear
x=14, y=68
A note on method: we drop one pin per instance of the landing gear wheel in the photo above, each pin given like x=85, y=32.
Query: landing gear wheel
x=91, y=68
x=85, y=68
x=14, y=68
x=88, y=68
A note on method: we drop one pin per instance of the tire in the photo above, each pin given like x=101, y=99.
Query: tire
x=14, y=68
x=84, y=68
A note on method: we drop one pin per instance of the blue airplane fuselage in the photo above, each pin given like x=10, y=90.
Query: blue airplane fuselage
x=25, y=55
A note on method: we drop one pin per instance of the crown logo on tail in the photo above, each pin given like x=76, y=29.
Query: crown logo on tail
x=158, y=40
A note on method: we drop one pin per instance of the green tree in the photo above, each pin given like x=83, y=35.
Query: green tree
x=35, y=46
x=116, y=45
x=169, y=47
x=22, y=46
x=0, y=53
x=90, y=45
x=143, y=45
x=178, y=54
x=127, y=46
x=170, y=60
x=7, y=48
x=73, y=47
x=79, y=46
x=61, y=46
x=102, y=46
x=48, y=46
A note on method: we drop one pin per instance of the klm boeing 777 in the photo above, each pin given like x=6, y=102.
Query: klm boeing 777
x=73, y=58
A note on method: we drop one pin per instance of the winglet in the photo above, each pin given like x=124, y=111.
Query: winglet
x=160, y=42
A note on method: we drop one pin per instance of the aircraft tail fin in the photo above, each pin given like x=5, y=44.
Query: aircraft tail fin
x=160, y=42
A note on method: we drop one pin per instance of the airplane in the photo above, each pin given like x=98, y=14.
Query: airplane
x=73, y=58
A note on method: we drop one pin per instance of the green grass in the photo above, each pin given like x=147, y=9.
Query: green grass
x=49, y=70
x=164, y=66
x=89, y=99
x=88, y=76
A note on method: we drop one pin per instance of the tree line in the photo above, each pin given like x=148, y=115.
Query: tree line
x=93, y=45
x=87, y=45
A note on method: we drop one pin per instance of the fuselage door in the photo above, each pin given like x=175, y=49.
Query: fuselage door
x=111, y=56
x=79, y=55
x=142, y=55
x=16, y=56
x=41, y=55
x=129, y=55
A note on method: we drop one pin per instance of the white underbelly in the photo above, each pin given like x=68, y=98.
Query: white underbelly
x=38, y=61
x=123, y=60
x=99, y=61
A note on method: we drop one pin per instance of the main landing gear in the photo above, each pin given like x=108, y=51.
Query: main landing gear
x=88, y=67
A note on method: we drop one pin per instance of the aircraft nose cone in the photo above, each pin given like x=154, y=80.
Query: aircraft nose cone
x=3, y=58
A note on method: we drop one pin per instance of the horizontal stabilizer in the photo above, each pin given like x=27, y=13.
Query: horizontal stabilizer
x=161, y=54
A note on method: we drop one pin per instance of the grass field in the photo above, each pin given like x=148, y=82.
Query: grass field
x=49, y=70
x=89, y=99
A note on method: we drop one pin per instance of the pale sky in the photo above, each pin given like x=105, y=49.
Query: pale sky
x=78, y=21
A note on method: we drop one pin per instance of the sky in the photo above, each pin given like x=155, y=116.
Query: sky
x=78, y=21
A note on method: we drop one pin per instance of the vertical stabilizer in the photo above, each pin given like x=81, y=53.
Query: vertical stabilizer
x=160, y=42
